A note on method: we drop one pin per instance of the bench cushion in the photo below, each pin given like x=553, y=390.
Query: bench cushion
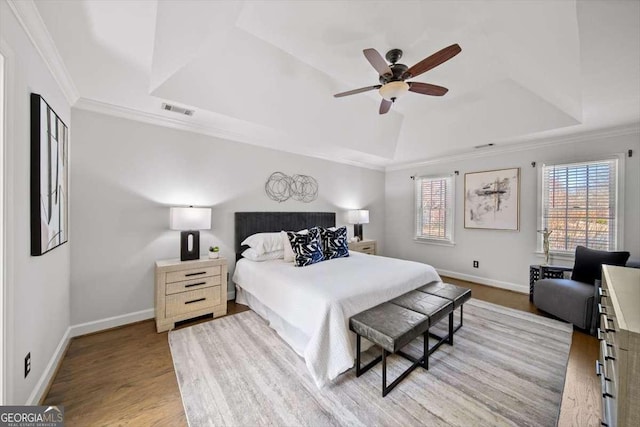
x=432, y=306
x=451, y=292
x=389, y=325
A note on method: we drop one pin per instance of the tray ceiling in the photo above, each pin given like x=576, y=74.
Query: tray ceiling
x=266, y=71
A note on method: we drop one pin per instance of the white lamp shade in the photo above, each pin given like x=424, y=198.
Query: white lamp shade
x=190, y=218
x=359, y=216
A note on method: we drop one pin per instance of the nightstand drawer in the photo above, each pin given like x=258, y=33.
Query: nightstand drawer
x=186, y=302
x=194, y=273
x=365, y=247
x=193, y=284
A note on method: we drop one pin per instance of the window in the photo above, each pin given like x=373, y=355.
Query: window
x=579, y=204
x=434, y=208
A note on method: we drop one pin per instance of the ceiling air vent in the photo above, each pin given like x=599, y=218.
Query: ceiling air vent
x=176, y=109
x=484, y=145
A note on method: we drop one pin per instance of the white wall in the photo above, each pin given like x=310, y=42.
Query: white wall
x=38, y=287
x=504, y=256
x=125, y=176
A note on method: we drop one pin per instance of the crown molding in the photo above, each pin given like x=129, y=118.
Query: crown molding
x=628, y=129
x=29, y=18
x=248, y=135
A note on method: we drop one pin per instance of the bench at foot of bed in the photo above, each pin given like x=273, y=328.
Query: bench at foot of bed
x=394, y=324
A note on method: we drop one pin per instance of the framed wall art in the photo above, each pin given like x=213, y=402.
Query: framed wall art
x=492, y=199
x=49, y=178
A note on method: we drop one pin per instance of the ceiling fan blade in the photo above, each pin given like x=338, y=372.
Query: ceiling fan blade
x=377, y=61
x=432, y=61
x=427, y=89
x=354, y=91
x=385, y=106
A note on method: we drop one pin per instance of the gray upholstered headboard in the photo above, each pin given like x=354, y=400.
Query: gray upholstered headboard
x=248, y=223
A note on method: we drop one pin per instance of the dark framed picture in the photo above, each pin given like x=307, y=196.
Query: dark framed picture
x=49, y=178
x=492, y=199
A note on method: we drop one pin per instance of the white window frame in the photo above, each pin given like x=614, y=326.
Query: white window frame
x=619, y=207
x=450, y=217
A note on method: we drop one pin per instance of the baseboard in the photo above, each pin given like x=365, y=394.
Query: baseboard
x=231, y=295
x=523, y=289
x=52, y=367
x=111, y=322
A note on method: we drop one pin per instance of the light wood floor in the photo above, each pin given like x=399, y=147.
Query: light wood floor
x=125, y=376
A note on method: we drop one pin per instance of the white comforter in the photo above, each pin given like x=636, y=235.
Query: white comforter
x=320, y=298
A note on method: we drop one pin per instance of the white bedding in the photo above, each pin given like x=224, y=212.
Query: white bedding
x=319, y=299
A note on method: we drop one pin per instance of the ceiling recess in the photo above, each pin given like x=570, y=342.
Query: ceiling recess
x=176, y=109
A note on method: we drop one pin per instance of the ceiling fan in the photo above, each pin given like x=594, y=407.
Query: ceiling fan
x=392, y=77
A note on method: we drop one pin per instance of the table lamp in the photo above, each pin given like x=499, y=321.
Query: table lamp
x=357, y=218
x=189, y=221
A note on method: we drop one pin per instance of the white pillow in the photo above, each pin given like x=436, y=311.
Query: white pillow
x=289, y=256
x=264, y=242
x=253, y=255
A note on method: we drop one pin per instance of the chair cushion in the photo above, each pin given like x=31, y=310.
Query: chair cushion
x=588, y=263
x=569, y=300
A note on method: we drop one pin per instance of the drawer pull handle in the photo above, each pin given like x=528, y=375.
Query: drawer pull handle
x=195, y=300
x=598, y=368
x=195, y=284
x=605, y=385
x=605, y=323
x=602, y=292
x=602, y=309
x=604, y=350
x=600, y=335
x=195, y=274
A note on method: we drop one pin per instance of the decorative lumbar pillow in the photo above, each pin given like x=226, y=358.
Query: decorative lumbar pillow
x=253, y=255
x=306, y=247
x=334, y=242
x=588, y=263
x=264, y=242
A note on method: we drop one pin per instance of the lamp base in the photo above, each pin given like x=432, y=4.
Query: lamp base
x=357, y=231
x=188, y=251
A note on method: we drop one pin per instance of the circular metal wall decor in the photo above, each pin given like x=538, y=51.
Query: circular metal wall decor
x=281, y=187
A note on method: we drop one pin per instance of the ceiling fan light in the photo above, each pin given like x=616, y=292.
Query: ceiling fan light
x=393, y=90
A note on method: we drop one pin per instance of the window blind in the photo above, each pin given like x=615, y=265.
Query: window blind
x=434, y=208
x=579, y=205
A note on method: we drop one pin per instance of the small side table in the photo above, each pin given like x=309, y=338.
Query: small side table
x=364, y=246
x=538, y=272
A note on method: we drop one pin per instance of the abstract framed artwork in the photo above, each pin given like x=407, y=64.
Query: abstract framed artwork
x=492, y=199
x=49, y=178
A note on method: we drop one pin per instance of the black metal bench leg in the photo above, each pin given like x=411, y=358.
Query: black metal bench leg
x=451, y=328
x=384, y=373
x=426, y=350
x=362, y=369
x=357, y=355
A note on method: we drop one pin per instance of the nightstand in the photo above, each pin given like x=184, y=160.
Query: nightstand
x=365, y=246
x=188, y=289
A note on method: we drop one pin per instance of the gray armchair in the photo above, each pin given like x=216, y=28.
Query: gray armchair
x=574, y=300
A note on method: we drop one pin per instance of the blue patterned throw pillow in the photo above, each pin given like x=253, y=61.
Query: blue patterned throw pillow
x=306, y=247
x=334, y=242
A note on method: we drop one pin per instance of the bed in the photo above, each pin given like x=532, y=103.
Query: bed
x=310, y=306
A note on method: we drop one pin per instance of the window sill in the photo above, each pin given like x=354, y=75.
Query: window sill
x=563, y=256
x=434, y=242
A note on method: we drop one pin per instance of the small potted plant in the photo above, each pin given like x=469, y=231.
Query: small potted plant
x=214, y=252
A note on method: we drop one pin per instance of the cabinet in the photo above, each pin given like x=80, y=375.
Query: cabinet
x=364, y=246
x=188, y=289
x=619, y=333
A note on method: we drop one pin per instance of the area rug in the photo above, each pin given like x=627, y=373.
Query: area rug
x=506, y=367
